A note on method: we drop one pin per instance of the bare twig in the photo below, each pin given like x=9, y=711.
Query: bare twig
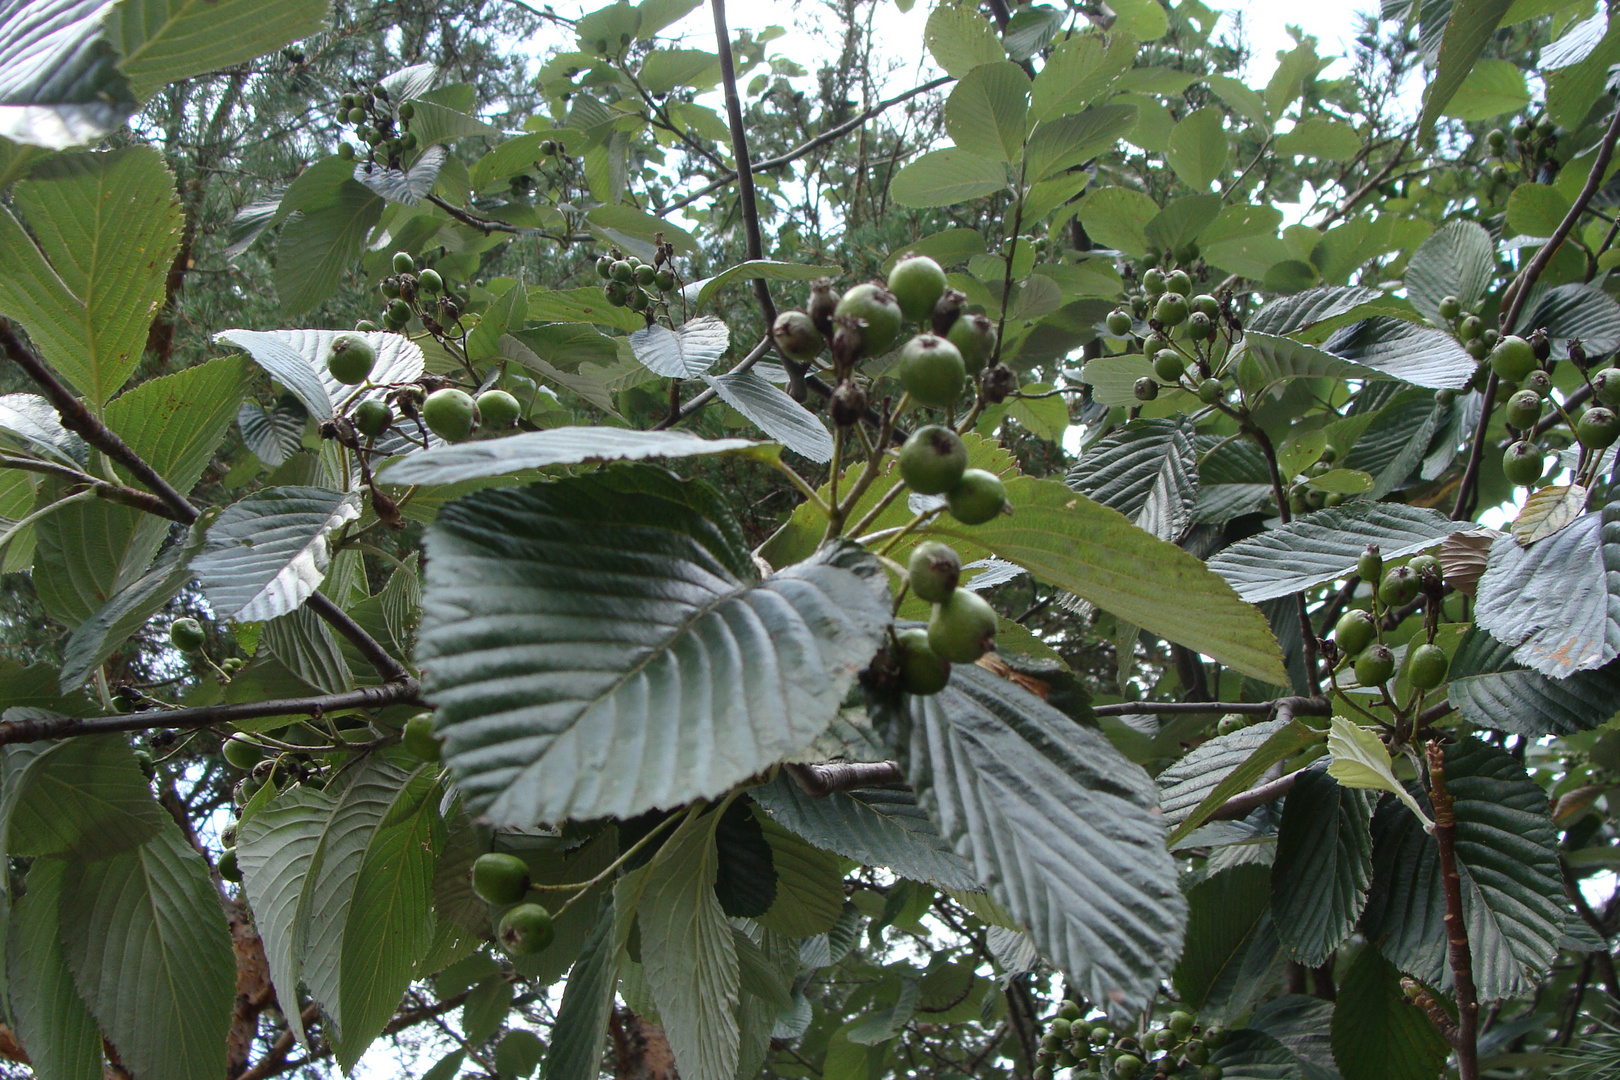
x=824, y=779
x=1466, y=1038
x=105, y=489
x=473, y=221
x=753, y=246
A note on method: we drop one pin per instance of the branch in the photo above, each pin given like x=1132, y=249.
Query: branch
x=472, y=221
x=405, y=692
x=1241, y=806
x=106, y=489
x=822, y=780
x=1293, y=705
x=1466, y=1038
x=1362, y=192
x=754, y=248
x=390, y=669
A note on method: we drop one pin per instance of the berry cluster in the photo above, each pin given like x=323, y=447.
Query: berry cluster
x=522, y=184
x=1092, y=1051
x=420, y=293
x=627, y=280
x=502, y=880
x=380, y=126
x=1535, y=144
x=1358, y=636
x=1182, y=329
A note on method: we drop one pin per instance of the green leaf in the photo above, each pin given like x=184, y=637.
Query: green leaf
x=1546, y=511
x=1067, y=835
x=1377, y=1033
x=435, y=123
x=1227, y=915
x=87, y=552
x=985, y=113
x=1536, y=209
x=775, y=413
x=518, y=1053
x=1065, y=539
x=1470, y=26
x=701, y=292
x=662, y=70
x=1359, y=759
x=1078, y=71
x=175, y=422
x=1198, y=148
x=1302, y=1025
x=1458, y=260
x=690, y=956
x=1551, y=601
x=960, y=39
x=875, y=827
x=584, y=385
x=1182, y=220
x=809, y=884
x=1063, y=143
x=1493, y=690
x=1397, y=349
x=1117, y=217
x=151, y=956
x=684, y=353
x=701, y=679
x=49, y=1017
x=637, y=231
x=1191, y=789
x=454, y=463
x=165, y=41
x=587, y=1002
x=1324, y=546
x=1147, y=470
x=1320, y=138
x=87, y=276
x=60, y=85
x=1249, y=1054
x=1579, y=310
x=317, y=247
x=944, y=177
x=1323, y=867
x=509, y=311
x=267, y=554
x=1245, y=101
x=85, y=797
x=1492, y=88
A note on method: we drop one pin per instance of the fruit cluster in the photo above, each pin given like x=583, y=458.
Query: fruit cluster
x=1359, y=634
x=1182, y=330
x=1535, y=144
x=1070, y=1042
x=627, y=279
x=382, y=127
x=502, y=881
x=422, y=293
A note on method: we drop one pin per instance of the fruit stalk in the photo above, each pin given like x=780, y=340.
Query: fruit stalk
x=1458, y=953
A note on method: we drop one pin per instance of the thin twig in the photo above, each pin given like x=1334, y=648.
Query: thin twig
x=753, y=245
x=1466, y=1041
x=105, y=489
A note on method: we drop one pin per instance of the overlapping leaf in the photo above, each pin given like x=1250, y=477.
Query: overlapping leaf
x=83, y=797
x=454, y=463
x=1377, y=1033
x=1493, y=690
x=265, y=555
x=405, y=186
x=777, y=414
x=1062, y=827
x=1288, y=314
x=49, y=1017
x=1458, y=260
x=600, y=645
x=1398, y=349
x=1323, y=867
x=59, y=80
x=33, y=424
x=683, y=353
x=165, y=41
x=1551, y=602
x=297, y=360
x=1148, y=471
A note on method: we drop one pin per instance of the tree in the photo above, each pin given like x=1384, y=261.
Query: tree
x=673, y=630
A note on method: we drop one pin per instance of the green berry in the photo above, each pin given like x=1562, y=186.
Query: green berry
x=617, y=293
x=498, y=410
x=1523, y=463
x=407, y=111
x=1375, y=665
x=796, y=336
x=932, y=460
x=1399, y=587
x=499, y=878
x=1450, y=308
x=638, y=300
x=932, y=371
x=1119, y=322
x=1597, y=427
x=1180, y=1022
x=399, y=313
x=1477, y=348
x=917, y=283
x=1099, y=1036
x=1426, y=666
x=975, y=338
x=1171, y=310
x=922, y=670
x=604, y=267
x=977, y=498
x=1200, y=327
x=345, y=151
x=350, y=358
x=1606, y=386
x=526, y=930
x=365, y=326
x=1209, y=391
x=664, y=280
x=403, y=263
x=373, y=417
x=962, y=627
x=1470, y=328
x=876, y=307
x=1496, y=138
x=1354, y=631
x=1127, y=1067
x=450, y=414
x=430, y=282
x=933, y=570
x=1146, y=389
x=1425, y=566
x=241, y=752
x=1539, y=383
x=1370, y=566
x=1153, y=281
x=623, y=271
x=1513, y=358
x=645, y=275
x=228, y=866
x=419, y=739
x=1070, y=1011
x=1196, y=1052
x=1523, y=409
x=1210, y=1072
x=1178, y=282
x=1231, y=722
x=186, y=635
x=1169, y=366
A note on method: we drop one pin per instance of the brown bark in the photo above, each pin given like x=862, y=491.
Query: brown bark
x=641, y=1049
x=253, y=990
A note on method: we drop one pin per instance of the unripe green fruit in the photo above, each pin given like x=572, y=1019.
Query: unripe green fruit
x=1477, y=348
x=1215, y=1038
x=1606, y=386
x=186, y=635
x=1070, y=1011
x=1523, y=409
x=345, y=151
x=1231, y=722
x=1375, y=665
x=975, y=338
x=664, y=280
x=604, y=267
x=1145, y=389
x=1491, y=336
x=1153, y=281
x=1370, y=566
x=1180, y=1022
x=933, y=460
x=977, y=498
x=917, y=283
x=398, y=313
x=1425, y=566
x=365, y=326
x=1119, y=322
x=228, y=866
x=617, y=293
x=241, y=753
x=638, y=300
x=1597, y=427
x=1171, y=310
x=796, y=336
x=1426, y=666
x=500, y=879
x=875, y=304
x=1127, y=1067
x=407, y=141
x=1195, y=1052
x=450, y=414
x=407, y=111
x=1200, y=327
x=922, y=670
x=1496, y=138
x=389, y=287
x=962, y=627
x=1523, y=463
x=372, y=418
x=1210, y=1072
x=1209, y=391
x=1513, y=358
x=1354, y=631
x=418, y=738
x=497, y=409
x=645, y=275
x=526, y=930
x=932, y=371
x=1399, y=587
x=1099, y=1036
x=622, y=271
x=1521, y=131
x=1178, y=282
x=403, y=263
x=1470, y=328
x=350, y=359
x=1450, y=308
x=1169, y=366
x=933, y=570
x=430, y=282
x=1539, y=383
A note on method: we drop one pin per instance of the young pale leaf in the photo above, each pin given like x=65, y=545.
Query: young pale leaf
x=599, y=646
x=1323, y=866
x=985, y=113
x=267, y=554
x=1063, y=828
x=1324, y=546
x=151, y=956
x=777, y=414
x=1377, y=1033
x=1360, y=760
x=1118, y=217
x=1182, y=220
x=51, y=1021
x=944, y=177
x=1551, y=601
x=1198, y=148
x=1547, y=510
x=1063, y=143
x=1470, y=26
x=690, y=957
x=960, y=39
x=685, y=353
